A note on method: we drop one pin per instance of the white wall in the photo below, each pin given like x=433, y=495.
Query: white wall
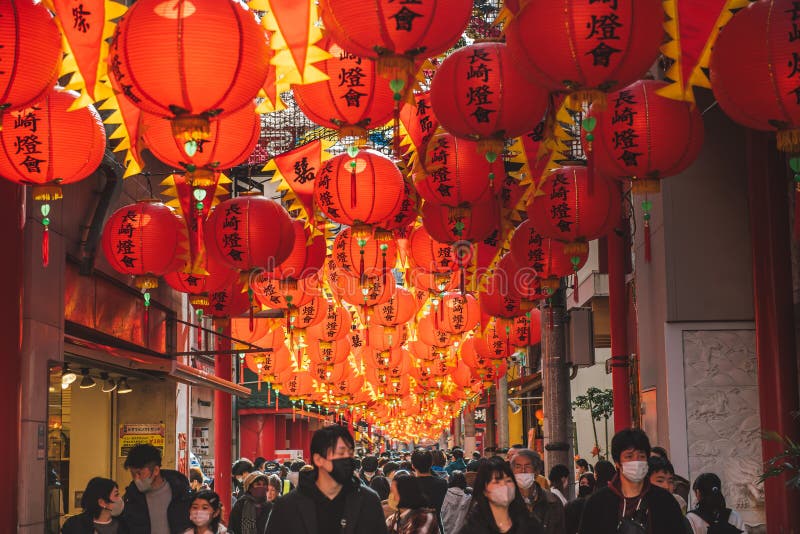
x=588, y=377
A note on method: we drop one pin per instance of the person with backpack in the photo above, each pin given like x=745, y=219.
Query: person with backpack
x=456, y=503
x=711, y=515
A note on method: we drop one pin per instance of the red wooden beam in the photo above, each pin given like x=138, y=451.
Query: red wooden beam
x=223, y=425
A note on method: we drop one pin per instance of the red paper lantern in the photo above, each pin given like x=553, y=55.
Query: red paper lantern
x=217, y=276
x=426, y=352
x=523, y=281
x=430, y=255
x=212, y=60
x=383, y=360
x=31, y=53
x=432, y=282
x=231, y=140
x=471, y=223
x=305, y=259
x=454, y=172
x=430, y=333
x=278, y=294
x=495, y=344
x=269, y=365
x=405, y=211
x=353, y=100
x=398, y=310
x=369, y=292
x=336, y=324
x=527, y=329
x=569, y=212
x=586, y=47
x=231, y=301
x=754, y=70
x=547, y=257
x=498, y=300
x=395, y=34
x=250, y=232
x=329, y=352
x=477, y=93
x=143, y=240
x=308, y=314
x=645, y=136
x=359, y=189
x=381, y=338
x=363, y=256
x=458, y=313
x=39, y=145
x=243, y=331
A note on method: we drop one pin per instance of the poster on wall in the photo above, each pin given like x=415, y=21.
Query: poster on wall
x=139, y=433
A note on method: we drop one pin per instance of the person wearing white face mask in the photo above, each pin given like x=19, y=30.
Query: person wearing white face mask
x=497, y=504
x=205, y=514
x=102, y=505
x=630, y=504
x=541, y=503
x=157, y=500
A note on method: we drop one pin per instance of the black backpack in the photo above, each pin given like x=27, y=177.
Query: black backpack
x=718, y=524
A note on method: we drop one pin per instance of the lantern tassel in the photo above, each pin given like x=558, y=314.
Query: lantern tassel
x=46, y=246
x=462, y=282
x=199, y=237
x=589, y=168
x=353, y=195
x=396, y=130
x=252, y=322
x=362, y=275
x=576, y=287
x=648, y=255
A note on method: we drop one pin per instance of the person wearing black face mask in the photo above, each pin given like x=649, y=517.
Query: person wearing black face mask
x=329, y=499
x=251, y=511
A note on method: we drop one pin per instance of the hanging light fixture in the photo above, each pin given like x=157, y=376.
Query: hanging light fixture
x=123, y=387
x=108, y=383
x=67, y=377
x=87, y=381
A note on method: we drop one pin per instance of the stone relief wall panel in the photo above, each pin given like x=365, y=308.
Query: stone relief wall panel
x=723, y=425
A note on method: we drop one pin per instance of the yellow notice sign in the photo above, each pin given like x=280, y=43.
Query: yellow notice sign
x=138, y=433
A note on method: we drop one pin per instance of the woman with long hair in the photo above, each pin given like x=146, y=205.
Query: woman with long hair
x=412, y=511
x=497, y=505
x=205, y=513
x=711, y=507
x=102, y=505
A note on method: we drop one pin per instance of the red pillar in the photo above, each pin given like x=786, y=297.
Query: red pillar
x=618, y=307
x=280, y=433
x=11, y=272
x=266, y=441
x=774, y=315
x=223, y=430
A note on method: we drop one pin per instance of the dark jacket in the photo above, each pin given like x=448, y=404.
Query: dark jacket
x=573, y=513
x=137, y=517
x=477, y=524
x=237, y=513
x=603, y=510
x=547, y=509
x=84, y=524
x=295, y=513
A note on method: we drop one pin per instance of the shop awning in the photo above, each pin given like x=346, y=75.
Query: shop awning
x=196, y=377
x=138, y=364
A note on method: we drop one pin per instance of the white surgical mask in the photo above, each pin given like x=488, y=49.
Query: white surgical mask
x=525, y=480
x=144, y=484
x=200, y=517
x=501, y=495
x=117, y=507
x=635, y=471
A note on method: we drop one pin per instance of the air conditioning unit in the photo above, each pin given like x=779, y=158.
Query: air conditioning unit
x=580, y=348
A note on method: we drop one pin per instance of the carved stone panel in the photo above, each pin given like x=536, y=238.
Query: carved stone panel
x=723, y=425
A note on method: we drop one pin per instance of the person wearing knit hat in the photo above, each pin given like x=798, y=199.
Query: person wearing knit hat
x=251, y=511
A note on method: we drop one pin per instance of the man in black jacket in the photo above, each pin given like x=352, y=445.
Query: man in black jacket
x=329, y=499
x=630, y=503
x=158, y=500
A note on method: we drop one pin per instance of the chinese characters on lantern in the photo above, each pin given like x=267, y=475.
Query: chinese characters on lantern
x=479, y=94
x=440, y=172
x=560, y=209
x=793, y=35
x=626, y=140
x=126, y=246
x=602, y=32
x=232, y=239
x=28, y=152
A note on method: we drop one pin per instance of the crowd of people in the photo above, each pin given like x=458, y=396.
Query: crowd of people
x=419, y=492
